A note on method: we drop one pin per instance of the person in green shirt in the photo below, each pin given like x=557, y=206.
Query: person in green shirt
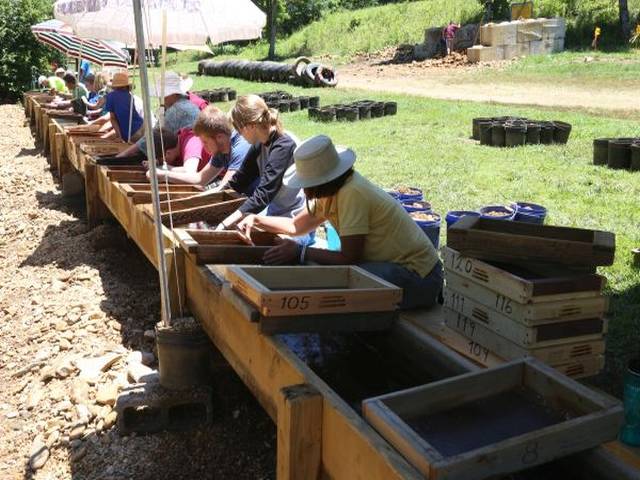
x=75, y=88
x=376, y=233
x=53, y=83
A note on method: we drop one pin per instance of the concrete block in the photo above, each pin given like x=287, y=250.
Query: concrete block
x=558, y=45
x=523, y=49
x=152, y=408
x=485, y=34
x=536, y=47
x=510, y=51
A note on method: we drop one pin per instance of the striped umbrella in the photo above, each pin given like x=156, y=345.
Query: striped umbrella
x=59, y=36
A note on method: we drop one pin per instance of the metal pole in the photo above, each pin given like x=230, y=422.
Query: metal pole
x=151, y=155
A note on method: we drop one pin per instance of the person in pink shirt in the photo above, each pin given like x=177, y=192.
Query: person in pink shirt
x=449, y=34
x=183, y=152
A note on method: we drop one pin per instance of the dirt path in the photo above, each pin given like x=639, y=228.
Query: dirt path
x=455, y=84
x=65, y=295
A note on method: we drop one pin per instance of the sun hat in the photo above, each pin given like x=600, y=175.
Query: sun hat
x=318, y=161
x=174, y=84
x=120, y=79
x=41, y=79
x=60, y=70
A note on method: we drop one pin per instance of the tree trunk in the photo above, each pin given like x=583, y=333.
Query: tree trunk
x=273, y=14
x=625, y=23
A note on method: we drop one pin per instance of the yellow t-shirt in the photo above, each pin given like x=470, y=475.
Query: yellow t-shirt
x=362, y=208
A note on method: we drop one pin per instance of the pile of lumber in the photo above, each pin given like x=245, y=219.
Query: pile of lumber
x=522, y=290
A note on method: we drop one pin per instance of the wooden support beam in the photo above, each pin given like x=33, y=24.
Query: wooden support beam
x=63, y=164
x=96, y=209
x=299, y=433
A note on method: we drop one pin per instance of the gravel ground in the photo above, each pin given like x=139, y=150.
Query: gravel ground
x=65, y=298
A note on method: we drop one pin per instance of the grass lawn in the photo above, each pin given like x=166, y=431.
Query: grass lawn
x=427, y=145
x=583, y=68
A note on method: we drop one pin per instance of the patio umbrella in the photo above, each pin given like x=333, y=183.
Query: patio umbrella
x=61, y=37
x=188, y=23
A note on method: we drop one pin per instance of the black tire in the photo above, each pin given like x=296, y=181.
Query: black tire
x=310, y=74
x=299, y=66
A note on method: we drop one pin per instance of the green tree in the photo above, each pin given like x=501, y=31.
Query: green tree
x=19, y=49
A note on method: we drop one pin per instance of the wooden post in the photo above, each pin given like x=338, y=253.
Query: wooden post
x=96, y=209
x=299, y=433
x=51, y=135
x=45, y=132
x=60, y=162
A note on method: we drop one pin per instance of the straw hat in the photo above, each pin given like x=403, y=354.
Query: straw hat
x=318, y=161
x=120, y=79
x=174, y=84
x=60, y=70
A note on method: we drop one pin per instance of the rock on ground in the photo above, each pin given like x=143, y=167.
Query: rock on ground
x=67, y=296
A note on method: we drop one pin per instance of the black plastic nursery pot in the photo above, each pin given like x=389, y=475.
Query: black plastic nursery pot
x=183, y=356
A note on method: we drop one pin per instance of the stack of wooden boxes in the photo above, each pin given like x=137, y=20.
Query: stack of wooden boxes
x=520, y=290
x=507, y=40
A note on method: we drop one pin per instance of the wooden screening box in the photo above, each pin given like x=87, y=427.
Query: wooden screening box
x=226, y=247
x=552, y=353
x=527, y=336
x=309, y=290
x=210, y=207
x=499, y=240
x=522, y=285
x=529, y=313
x=495, y=421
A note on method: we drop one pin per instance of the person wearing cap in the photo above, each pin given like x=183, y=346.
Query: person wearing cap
x=179, y=111
x=226, y=146
x=60, y=71
x=123, y=114
x=376, y=233
x=269, y=157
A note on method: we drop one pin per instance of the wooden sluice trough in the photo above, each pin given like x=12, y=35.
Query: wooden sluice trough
x=312, y=384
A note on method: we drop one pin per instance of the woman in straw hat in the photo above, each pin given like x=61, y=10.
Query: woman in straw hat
x=375, y=231
x=265, y=164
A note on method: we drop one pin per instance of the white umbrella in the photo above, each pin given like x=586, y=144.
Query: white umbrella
x=182, y=22
x=189, y=22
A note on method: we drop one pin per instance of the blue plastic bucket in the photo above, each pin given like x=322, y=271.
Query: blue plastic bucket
x=333, y=239
x=416, y=206
x=393, y=193
x=529, y=212
x=454, y=215
x=500, y=212
x=431, y=228
x=414, y=195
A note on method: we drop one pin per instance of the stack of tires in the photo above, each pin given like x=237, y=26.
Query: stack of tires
x=351, y=112
x=618, y=153
x=303, y=72
x=518, y=131
x=285, y=102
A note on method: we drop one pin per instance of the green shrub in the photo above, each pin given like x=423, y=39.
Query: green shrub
x=584, y=15
x=21, y=55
